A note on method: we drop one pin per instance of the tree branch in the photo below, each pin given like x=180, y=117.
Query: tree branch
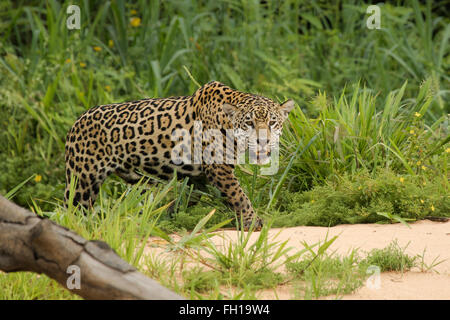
x=31, y=243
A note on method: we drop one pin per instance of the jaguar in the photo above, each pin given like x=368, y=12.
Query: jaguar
x=135, y=138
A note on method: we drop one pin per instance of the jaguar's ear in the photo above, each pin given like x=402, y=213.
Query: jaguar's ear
x=229, y=109
x=287, y=107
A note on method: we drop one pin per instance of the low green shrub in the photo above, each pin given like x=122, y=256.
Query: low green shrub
x=366, y=199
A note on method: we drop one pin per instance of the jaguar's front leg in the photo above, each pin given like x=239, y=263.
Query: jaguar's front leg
x=223, y=178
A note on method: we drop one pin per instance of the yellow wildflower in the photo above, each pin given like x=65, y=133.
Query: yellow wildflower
x=424, y=183
x=417, y=114
x=421, y=201
x=424, y=168
x=97, y=48
x=447, y=150
x=108, y=88
x=110, y=43
x=402, y=179
x=82, y=64
x=312, y=201
x=411, y=131
x=419, y=163
x=133, y=12
x=135, y=22
x=38, y=178
x=432, y=208
x=68, y=60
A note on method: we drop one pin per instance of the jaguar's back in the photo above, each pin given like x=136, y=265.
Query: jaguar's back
x=121, y=138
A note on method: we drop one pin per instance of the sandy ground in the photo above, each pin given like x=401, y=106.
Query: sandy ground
x=433, y=237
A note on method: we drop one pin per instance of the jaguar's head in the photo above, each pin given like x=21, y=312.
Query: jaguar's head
x=258, y=121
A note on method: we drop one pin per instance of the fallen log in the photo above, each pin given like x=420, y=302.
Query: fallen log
x=90, y=269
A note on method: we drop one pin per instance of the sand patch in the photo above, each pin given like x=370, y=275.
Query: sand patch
x=433, y=238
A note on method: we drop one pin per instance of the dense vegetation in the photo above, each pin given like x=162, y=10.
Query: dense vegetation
x=368, y=141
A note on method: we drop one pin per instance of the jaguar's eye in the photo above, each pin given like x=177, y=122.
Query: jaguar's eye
x=272, y=123
x=249, y=123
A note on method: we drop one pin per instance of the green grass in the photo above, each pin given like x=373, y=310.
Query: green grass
x=391, y=258
x=327, y=274
x=29, y=286
x=366, y=198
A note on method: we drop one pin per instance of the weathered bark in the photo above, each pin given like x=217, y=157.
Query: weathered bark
x=31, y=243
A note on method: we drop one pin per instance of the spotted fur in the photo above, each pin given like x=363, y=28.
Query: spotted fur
x=126, y=138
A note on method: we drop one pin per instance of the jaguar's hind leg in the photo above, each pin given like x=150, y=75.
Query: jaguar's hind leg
x=199, y=182
x=87, y=187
